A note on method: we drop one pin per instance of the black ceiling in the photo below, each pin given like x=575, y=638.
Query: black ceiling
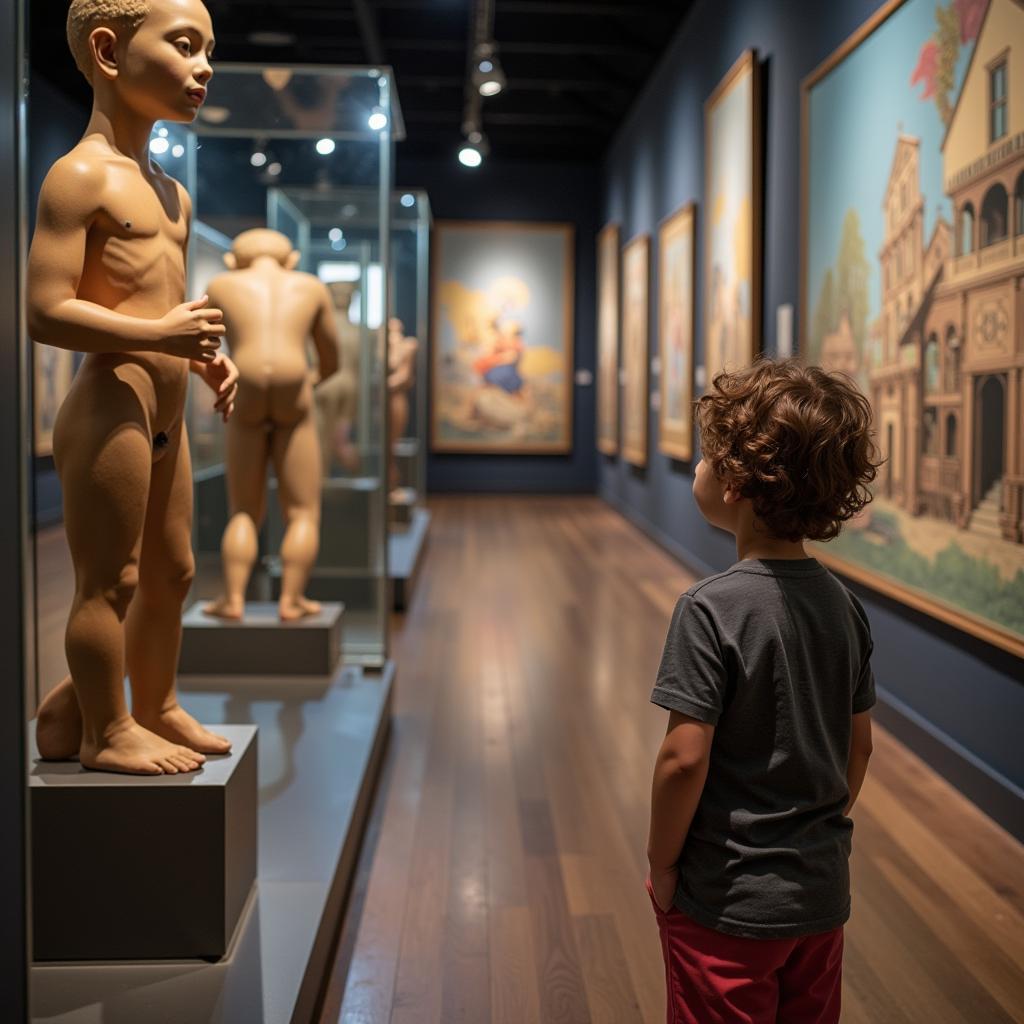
x=574, y=66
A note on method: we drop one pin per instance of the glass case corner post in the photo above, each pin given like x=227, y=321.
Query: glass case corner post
x=424, y=223
x=17, y=624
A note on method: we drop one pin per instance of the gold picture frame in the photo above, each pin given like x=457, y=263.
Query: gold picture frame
x=733, y=157
x=609, y=322
x=636, y=277
x=677, y=253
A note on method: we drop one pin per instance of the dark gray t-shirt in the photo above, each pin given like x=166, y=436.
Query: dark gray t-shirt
x=775, y=655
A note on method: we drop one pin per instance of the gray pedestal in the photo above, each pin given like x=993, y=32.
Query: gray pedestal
x=401, y=506
x=405, y=553
x=142, y=867
x=260, y=645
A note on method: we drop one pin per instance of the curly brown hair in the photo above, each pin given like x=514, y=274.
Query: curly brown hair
x=796, y=440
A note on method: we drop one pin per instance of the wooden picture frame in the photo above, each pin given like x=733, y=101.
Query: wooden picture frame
x=677, y=254
x=636, y=278
x=927, y=495
x=609, y=322
x=733, y=200
x=502, y=295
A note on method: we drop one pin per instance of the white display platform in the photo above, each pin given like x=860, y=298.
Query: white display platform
x=321, y=744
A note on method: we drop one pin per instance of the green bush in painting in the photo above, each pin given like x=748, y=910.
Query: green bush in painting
x=954, y=577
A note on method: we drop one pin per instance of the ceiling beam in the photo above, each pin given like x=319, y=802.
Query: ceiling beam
x=552, y=85
x=584, y=49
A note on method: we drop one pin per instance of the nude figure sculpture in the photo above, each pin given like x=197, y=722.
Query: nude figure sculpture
x=106, y=277
x=270, y=310
x=337, y=399
x=401, y=377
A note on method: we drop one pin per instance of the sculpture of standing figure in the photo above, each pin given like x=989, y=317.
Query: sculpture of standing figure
x=106, y=277
x=401, y=377
x=270, y=310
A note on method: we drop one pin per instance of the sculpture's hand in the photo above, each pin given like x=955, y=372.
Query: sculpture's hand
x=221, y=377
x=192, y=331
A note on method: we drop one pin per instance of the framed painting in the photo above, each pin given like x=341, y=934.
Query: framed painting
x=53, y=369
x=636, y=258
x=608, y=313
x=911, y=254
x=732, y=230
x=676, y=255
x=502, y=347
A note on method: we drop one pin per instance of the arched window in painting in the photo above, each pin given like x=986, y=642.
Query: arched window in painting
x=951, y=438
x=966, y=239
x=931, y=431
x=994, y=215
x=1018, y=195
x=951, y=361
x=931, y=364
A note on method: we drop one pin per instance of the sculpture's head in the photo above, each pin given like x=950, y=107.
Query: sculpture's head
x=151, y=55
x=249, y=246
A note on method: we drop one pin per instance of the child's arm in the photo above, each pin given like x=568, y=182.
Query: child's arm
x=860, y=752
x=68, y=205
x=679, y=775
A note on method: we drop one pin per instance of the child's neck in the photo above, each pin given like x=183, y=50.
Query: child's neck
x=127, y=132
x=753, y=544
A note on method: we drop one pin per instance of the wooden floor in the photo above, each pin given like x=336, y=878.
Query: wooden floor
x=503, y=877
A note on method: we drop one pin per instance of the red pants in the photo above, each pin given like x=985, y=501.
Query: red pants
x=711, y=978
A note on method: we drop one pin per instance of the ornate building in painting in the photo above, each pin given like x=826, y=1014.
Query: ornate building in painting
x=947, y=370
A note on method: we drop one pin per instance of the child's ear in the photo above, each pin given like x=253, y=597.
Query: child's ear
x=103, y=47
x=293, y=259
x=229, y=261
x=730, y=495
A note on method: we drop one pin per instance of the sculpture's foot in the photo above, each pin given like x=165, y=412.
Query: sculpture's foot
x=131, y=749
x=59, y=723
x=225, y=608
x=178, y=726
x=348, y=456
x=298, y=608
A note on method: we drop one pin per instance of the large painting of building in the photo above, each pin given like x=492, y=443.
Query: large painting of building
x=502, y=342
x=912, y=283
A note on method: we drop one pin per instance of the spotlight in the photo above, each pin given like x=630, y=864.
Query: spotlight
x=335, y=234
x=408, y=200
x=159, y=146
x=377, y=120
x=470, y=155
x=325, y=147
x=258, y=159
x=488, y=76
x=178, y=150
x=338, y=244
x=274, y=169
x=162, y=132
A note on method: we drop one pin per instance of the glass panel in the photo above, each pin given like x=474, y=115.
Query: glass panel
x=265, y=132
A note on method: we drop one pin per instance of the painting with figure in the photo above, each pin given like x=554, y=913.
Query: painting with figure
x=913, y=252
x=502, y=352
x=732, y=259
x=635, y=326
x=53, y=370
x=608, y=314
x=675, y=333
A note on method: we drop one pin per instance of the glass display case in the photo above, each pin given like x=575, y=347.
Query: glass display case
x=269, y=131
x=337, y=231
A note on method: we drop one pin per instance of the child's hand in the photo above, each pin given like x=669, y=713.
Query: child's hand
x=663, y=885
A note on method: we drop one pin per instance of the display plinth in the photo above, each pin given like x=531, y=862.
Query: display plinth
x=260, y=644
x=402, y=504
x=405, y=553
x=142, y=867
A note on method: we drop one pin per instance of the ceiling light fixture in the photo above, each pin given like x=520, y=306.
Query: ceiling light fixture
x=488, y=76
x=474, y=149
x=325, y=147
x=274, y=169
x=377, y=120
x=159, y=145
x=335, y=234
x=177, y=150
x=408, y=200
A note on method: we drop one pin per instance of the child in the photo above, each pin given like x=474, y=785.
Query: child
x=106, y=277
x=767, y=680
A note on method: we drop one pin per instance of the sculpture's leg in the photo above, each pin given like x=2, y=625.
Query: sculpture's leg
x=398, y=411
x=153, y=636
x=248, y=454
x=104, y=453
x=295, y=451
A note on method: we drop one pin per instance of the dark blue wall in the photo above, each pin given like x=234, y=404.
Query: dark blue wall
x=956, y=700
x=526, y=192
